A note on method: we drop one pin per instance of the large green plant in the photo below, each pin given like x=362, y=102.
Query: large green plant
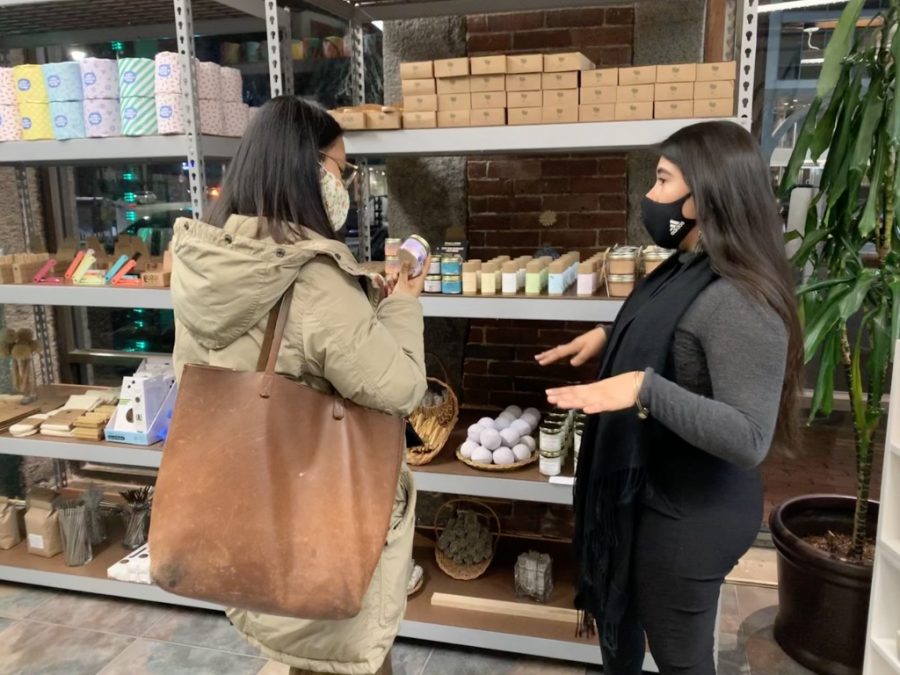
x=851, y=239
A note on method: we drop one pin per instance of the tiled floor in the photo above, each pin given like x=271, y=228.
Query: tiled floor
x=47, y=633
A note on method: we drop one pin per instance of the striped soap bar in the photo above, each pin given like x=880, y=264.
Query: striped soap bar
x=139, y=114
x=137, y=77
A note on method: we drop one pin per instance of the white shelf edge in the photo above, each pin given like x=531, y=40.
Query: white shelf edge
x=85, y=296
x=109, y=453
x=494, y=488
x=890, y=550
x=887, y=648
x=120, y=148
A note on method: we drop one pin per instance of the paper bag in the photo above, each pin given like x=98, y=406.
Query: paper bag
x=42, y=523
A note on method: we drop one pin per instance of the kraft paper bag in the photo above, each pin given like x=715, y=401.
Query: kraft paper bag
x=10, y=532
x=42, y=523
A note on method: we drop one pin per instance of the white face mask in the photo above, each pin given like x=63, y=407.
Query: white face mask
x=335, y=199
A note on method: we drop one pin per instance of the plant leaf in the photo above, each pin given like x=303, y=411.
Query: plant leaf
x=822, y=320
x=819, y=285
x=810, y=241
x=869, y=220
x=879, y=356
x=792, y=235
x=825, y=128
x=894, y=287
x=873, y=106
x=851, y=303
x=856, y=384
x=838, y=47
x=801, y=148
x=895, y=116
x=823, y=394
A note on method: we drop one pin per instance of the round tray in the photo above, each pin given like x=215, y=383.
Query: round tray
x=418, y=586
x=498, y=468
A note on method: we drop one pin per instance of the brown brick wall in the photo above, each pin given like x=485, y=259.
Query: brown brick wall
x=520, y=204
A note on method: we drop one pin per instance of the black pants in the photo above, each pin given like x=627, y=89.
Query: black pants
x=683, y=551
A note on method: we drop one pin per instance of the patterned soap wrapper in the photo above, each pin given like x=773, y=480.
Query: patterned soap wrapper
x=232, y=85
x=10, y=126
x=236, y=117
x=138, y=116
x=29, y=83
x=170, y=113
x=35, y=121
x=209, y=80
x=136, y=78
x=7, y=87
x=168, y=73
x=68, y=119
x=99, y=78
x=63, y=81
x=212, y=117
x=101, y=118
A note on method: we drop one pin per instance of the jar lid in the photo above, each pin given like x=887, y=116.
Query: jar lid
x=433, y=277
x=621, y=278
x=451, y=277
x=551, y=454
x=624, y=253
x=422, y=241
x=657, y=253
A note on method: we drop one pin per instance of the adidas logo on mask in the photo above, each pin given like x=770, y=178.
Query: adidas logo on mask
x=675, y=226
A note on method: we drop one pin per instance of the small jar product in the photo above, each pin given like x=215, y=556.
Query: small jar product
x=451, y=285
x=414, y=251
x=435, y=267
x=654, y=256
x=392, y=247
x=433, y=283
x=451, y=265
x=622, y=260
x=551, y=462
x=620, y=285
x=551, y=438
x=391, y=266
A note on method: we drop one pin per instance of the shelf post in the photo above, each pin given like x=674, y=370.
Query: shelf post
x=358, y=97
x=277, y=26
x=747, y=29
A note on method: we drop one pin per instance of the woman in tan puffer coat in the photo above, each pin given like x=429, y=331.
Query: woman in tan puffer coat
x=343, y=335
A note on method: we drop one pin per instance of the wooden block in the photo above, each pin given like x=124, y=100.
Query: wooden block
x=681, y=72
x=349, y=119
x=519, y=116
x=598, y=95
x=480, y=83
x=665, y=110
x=529, y=610
x=714, y=107
x=525, y=63
x=726, y=70
x=157, y=279
x=634, y=93
x=423, y=103
x=454, y=102
x=634, y=111
x=489, y=100
x=674, y=91
x=597, y=112
x=567, y=80
x=23, y=272
x=558, y=63
x=454, y=85
x=419, y=87
x=454, y=118
x=451, y=67
x=602, y=77
x=637, y=75
x=560, y=98
x=419, y=120
x=560, y=114
x=524, y=82
x=488, y=65
x=383, y=119
x=417, y=70
x=718, y=89
x=524, y=99
x=488, y=117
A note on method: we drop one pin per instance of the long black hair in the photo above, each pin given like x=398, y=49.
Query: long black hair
x=742, y=232
x=276, y=172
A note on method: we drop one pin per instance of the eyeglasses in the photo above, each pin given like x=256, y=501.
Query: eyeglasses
x=348, y=171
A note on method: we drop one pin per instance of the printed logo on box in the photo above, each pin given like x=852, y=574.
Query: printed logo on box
x=129, y=77
x=90, y=78
x=165, y=112
x=61, y=121
x=26, y=122
x=95, y=118
x=130, y=113
x=164, y=70
x=24, y=85
x=53, y=81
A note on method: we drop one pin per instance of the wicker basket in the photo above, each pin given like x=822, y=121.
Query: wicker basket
x=450, y=567
x=498, y=468
x=433, y=424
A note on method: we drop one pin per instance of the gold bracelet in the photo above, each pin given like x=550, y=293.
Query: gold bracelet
x=642, y=411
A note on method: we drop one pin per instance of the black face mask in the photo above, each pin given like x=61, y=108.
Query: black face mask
x=665, y=223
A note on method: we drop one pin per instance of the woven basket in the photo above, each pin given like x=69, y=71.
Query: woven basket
x=497, y=468
x=433, y=424
x=452, y=568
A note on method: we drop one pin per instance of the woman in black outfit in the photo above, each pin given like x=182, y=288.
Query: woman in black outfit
x=699, y=374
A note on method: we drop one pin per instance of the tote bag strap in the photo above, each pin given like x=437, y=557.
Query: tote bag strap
x=268, y=354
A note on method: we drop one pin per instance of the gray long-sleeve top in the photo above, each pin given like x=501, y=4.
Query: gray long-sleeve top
x=729, y=358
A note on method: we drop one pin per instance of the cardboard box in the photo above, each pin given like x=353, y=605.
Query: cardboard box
x=383, y=119
x=524, y=99
x=707, y=72
x=681, y=72
x=426, y=103
x=524, y=82
x=599, y=95
x=559, y=63
x=454, y=102
x=419, y=87
x=489, y=100
x=717, y=89
x=634, y=111
x=157, y=279
x=525, y=63
x=602, y=77
x=560, y=98
x=454, y=118
x=634, y=93
x=480, y=83
x=637, y=75
x=489, y=117
x=598, y=112
x=417, y=70
x=567, y=80
x=454, y=85
x=419, y=120
x=451, y=67
x=714, y=107
x=560, y=114
x=674, y=91
x=349, y=119
x=488, y=65
x=667, y=110
x=517, y=116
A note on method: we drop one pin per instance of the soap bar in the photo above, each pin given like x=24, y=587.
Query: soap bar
x=10, y=127
x=101, y=118
x=139, y=116
x=136, y=78
x=7, y=87
x=35, y=121
x=63, y=81
x=68, y=119
x=30, y=87
x=99, y=78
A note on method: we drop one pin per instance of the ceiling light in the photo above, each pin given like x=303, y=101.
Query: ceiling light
x=77, y=54
x=798, y=4
x=812, y=62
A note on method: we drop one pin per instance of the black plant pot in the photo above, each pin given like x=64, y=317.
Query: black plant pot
x=823, y=603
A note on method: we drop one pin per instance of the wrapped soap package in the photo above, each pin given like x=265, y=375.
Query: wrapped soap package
x=168, y=73
x=210, y=82
x=63, y=81
x=7, y=87
x=236, y=117
x=99, y=78
x=102, y=118
x=30, y=87
x=212, y=117
x=232, y=86
x=10, y=126
x=170, y=113
x=68, y=119
x=42, y=523
x=138, y=116
x=35, y=121
x=10, y=532
x=136, y=78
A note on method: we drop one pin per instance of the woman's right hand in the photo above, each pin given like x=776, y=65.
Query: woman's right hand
x=582, y=349
x=406, y=286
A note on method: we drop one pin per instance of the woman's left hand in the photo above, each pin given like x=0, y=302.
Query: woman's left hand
x=609, y=395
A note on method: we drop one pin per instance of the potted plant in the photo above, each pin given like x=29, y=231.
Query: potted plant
x=850, y=308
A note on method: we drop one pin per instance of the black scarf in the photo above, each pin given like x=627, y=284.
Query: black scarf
x=611, y=468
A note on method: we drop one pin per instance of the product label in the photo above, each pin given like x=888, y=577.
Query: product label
x=551, y=466
x=61, y=121
x=26, y=122
x=24, y=85
x=129, y=77
x=130, y=113
x=165, y=111
x=90, y=78
x=95, y=118
x=35, y=541
x=164, y=70
x=53, y=81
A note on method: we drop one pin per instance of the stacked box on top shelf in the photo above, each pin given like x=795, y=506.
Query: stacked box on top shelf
x=488, y=89
x=634, y=95
x=524, y=88
x=454, y=92
x=674, y=91
x=598, y=95
x=714, y=89
x=419, y=95
x=560, y=81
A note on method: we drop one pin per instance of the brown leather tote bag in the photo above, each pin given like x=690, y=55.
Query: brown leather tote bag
x=272, y=496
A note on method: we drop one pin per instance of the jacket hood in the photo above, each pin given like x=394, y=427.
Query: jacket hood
x=225, y=280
